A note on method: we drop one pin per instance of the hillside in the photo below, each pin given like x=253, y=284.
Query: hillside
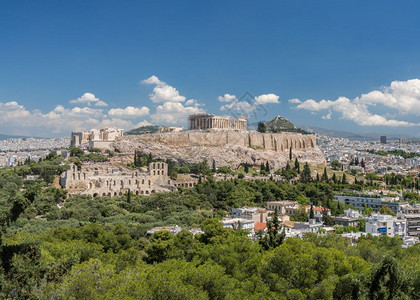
x=142, y=130
x=226, y=148
x=281, y=124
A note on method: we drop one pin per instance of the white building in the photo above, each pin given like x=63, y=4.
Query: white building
x=238, y=223
x=386, y=225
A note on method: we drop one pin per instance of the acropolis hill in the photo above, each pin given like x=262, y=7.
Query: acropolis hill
x=228, y=147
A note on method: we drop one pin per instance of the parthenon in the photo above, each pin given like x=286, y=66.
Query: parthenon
x=209, y=121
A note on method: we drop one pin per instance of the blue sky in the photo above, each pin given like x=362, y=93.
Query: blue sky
x=71, y=65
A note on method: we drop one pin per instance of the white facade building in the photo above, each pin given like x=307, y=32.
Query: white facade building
x=386, y=225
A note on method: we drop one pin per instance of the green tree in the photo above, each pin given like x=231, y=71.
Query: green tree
x=334, y=178
x=311, y=212
x=261, y=127
x=344, y=179
x=76, y=152
x=275, y=235
x=290, y=153
x=388, y=281
x=385, y=210
x=325, y=175
x=335, y=164
x=297, y=165
x=305, y=176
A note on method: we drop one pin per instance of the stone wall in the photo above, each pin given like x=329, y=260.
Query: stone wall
x=277, y=142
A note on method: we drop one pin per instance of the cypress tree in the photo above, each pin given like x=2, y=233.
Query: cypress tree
x=246, y=168
x=267, y=167
x=311, y=212
x=213, y=167
x=344, y=179
x=334, y=178
x=128, y=196
x=290, y=153
x=297, y=165
x=325, y=175
x=262, y=168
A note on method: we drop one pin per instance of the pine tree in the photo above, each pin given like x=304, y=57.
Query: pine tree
x=297, y=165
x=267, y=167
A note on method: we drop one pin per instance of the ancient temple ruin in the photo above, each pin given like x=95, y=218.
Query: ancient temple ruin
x=209, y=121
x=96, y=138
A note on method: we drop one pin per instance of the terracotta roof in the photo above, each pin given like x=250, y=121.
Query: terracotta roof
x=289, y=224
x=260, y=226
x=316, y=208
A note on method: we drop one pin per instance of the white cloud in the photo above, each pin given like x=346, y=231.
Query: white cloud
x=266, y=98
x=142, y=123
x=246, y=108
x=152, y=80
x=60, y=121
x=402, y=96
x=88, y=99
x=227, y=98
x=173, y=113
x=242, y=107
x=327, y=116
x=129, y=112
x=163, y=92
x=294, y=101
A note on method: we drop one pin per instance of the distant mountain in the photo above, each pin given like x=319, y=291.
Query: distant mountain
x=5, y=136
x=142, y=130
x=281, y=124
x=367, y=136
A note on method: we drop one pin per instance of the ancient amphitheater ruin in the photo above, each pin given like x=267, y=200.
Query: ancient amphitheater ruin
x=103, y=179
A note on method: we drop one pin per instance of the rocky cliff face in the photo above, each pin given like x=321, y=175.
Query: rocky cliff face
x=227, y=148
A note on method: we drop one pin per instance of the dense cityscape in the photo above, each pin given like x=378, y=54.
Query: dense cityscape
x=210, y=150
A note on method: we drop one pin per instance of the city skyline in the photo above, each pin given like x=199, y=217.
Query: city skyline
x=74, y=66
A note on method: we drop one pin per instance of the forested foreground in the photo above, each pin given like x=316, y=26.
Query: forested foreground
x=54, y=247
